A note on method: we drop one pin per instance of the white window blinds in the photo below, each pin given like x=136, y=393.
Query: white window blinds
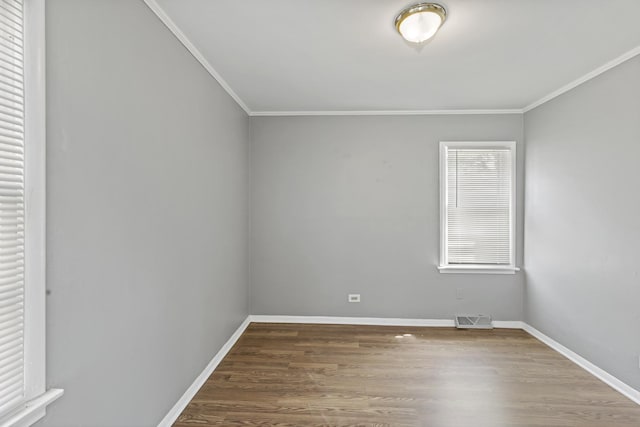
x=12, y=379
x=478, y=207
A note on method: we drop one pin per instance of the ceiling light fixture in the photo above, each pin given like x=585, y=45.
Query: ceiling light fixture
x=420, y=22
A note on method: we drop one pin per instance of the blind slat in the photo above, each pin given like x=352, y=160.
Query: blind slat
x=12, y=386
x=11, y=366
x=478, y=206
x=10, y=347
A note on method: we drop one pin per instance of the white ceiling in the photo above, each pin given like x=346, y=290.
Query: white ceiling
x=345, y=55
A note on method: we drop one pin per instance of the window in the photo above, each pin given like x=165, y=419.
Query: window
x=23, y=397
x=477, y=207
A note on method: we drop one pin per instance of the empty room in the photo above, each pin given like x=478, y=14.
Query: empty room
x=319, y=213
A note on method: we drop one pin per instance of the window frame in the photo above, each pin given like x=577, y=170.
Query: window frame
x=37, y=397
x=444, y=266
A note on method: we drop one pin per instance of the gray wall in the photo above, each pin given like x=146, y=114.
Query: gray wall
x=147, y=225
x=147, y=216
x=582, y=253
x=351, y=205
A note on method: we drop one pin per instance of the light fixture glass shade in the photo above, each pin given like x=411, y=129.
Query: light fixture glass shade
x=420, y=22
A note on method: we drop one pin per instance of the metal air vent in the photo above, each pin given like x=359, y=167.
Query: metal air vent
x=473, y=321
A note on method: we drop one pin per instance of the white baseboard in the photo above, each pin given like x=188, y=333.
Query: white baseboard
x=330, y=320
x=507, y=324
x=182, y=403
x=601, y=374
x=374, y=321
x=597, y=372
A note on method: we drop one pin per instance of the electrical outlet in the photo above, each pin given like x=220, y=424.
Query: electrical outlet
x=354, y=298
x=459, y=294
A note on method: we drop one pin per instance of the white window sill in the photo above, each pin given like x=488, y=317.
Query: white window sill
x=32, y=411
x=477, y=269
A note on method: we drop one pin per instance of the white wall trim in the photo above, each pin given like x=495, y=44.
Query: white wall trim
x=166, y=20
x=331, y=320
x=182, y=403
x=508, y=324
x=382, y=113
x=35, y=188
x=373, y=321
x=33, y=410
x=609, y=65
x=597, y=372
x=164, y=17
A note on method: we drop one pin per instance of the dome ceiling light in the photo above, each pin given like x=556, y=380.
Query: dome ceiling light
x=420, y=22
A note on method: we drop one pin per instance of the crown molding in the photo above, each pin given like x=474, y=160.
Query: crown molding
x=566, y=88
x=191, y=48
x=382, y=112
x=177, y=32
x=168, y=22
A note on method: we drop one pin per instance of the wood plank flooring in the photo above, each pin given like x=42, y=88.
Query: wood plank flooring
x=341, y=375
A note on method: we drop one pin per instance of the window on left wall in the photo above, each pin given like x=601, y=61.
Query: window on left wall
x=23, y=394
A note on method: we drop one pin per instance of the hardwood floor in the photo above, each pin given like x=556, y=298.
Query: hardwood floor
x=337, y=375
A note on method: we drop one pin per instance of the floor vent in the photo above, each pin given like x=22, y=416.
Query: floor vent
x=473, y=321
